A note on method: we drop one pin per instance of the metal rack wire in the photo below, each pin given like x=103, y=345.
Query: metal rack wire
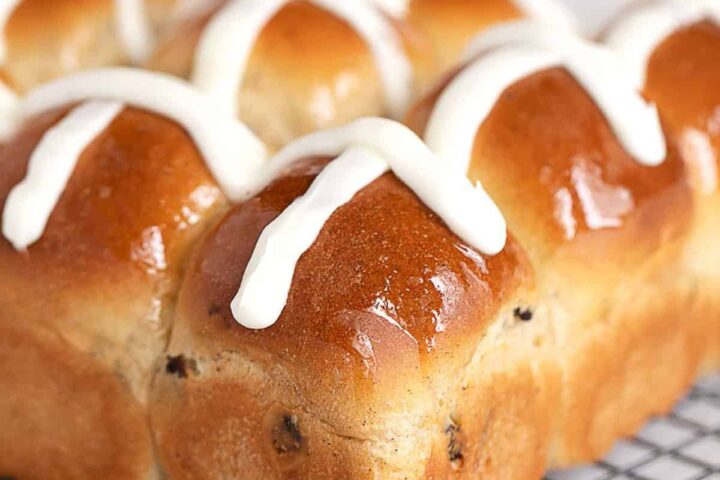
x=684, y=445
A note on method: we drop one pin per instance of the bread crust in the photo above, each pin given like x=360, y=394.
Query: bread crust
x=686, y=92
x=610, y=305
x=95, y=295
x=385, y=312
x=402, y=353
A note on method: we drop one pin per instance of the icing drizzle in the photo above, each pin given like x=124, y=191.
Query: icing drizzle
x=367, y=148
x=518, y=49
x=31, y=201
x=226, y=44
x=133, y=27
x=233, y=154
x=643, y=28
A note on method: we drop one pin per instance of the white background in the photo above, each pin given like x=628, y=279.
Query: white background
x=594, y=14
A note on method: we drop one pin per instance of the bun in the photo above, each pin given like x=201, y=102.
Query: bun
x=600, y=229
x=179, y=302
x=451, y=24
x=308, y=68
x=46, y=39
x=690, y=35
x=86, y=310
x=355, y=381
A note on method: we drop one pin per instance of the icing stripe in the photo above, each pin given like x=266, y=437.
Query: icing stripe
x=226, y=44
x=453, y=125
x=283, y=242
x=643, y=28
x=522, y=32
x=133, y=28
x=232, y=152
x=469, y=98
x=468, y=211
x=30, y=203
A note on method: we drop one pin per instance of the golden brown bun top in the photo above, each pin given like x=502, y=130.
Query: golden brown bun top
x=49, y=38
x=308, y=70
x=135, y=199
x=683, y=79
x=548, y=157
x=451, y=24
x=385, y=286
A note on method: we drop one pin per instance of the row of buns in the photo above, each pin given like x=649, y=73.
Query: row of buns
x=195, y=282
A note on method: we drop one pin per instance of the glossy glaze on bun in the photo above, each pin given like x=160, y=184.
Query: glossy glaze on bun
x=383, y=321
x=547, y=156
x=86, y=309
x=681, y=76
x=414, y=330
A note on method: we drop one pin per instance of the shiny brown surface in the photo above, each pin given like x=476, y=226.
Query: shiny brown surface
x=683, y=78
x=548, y=157
x=133, y=201
x=308, y=70
x=384, y=283
x=601, y=231
x=87, y=307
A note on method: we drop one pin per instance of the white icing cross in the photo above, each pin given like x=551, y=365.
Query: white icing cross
x=233, y=154
x=226, y=44
x=518, y=49
x=367, y=148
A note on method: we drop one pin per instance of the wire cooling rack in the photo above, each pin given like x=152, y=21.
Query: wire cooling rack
x=685, y=445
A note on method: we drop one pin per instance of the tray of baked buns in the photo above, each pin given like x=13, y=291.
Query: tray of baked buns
x=359, y=239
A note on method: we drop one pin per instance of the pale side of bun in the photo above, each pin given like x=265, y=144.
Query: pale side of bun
x=47, y=39
x=682, y=79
